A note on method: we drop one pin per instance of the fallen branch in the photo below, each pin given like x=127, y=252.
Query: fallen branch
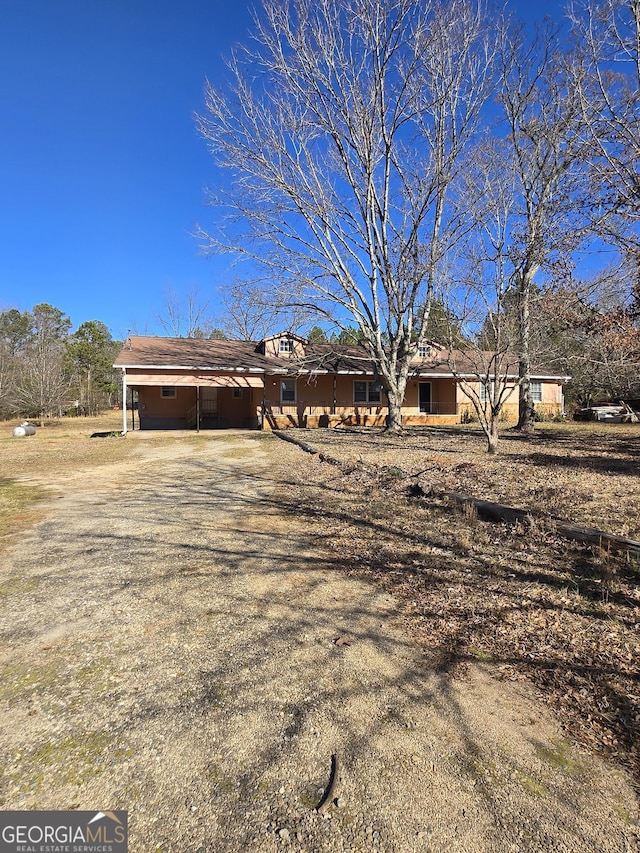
x=313, y=451
x=490, y=511
x=499, y=512
x=330, y=793
x=606, y=541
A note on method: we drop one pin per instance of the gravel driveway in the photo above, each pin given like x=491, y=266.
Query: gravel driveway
x=169, y=648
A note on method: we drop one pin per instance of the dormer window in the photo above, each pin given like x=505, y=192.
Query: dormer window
x=424, y=351
x=285, y=346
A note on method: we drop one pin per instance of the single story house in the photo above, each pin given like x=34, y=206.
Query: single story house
x=283, y=380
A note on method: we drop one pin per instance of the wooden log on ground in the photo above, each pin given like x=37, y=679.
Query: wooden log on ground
x=313, y=451
x=490, y=511
x=499, y=512
x=286, y=436
x=606, y=541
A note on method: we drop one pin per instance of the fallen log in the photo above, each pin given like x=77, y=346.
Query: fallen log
x=313, y=451
x=491, y=511
x=606, y=541
x=286, y=436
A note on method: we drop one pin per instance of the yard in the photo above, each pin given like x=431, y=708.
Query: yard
x=533, y=604
x=171, y=602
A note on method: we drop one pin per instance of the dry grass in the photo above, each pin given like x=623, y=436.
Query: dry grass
x=522, y=600
x=61, y=446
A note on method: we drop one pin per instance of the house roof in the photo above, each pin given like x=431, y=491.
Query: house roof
x=330, y=358
x=192, y=354
x=247, y=357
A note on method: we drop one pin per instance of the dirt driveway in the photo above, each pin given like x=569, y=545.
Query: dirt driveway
x=168, y=648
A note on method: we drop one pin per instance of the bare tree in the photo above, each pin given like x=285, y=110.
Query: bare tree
x=185, y=316
x=344, y=129
x=252, y=311
x=42, y=382
x=15, y=330
x=608, y=34
x=546, y=125
x=483, y=359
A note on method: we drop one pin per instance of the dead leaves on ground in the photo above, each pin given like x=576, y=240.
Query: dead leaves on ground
x=527, y=603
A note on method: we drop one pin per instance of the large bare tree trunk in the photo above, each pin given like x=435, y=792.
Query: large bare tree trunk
x=526, y=413
x=526, y=409
x=492, y=437
x=394, y=418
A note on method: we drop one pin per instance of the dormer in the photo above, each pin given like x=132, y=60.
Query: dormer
x=283, y=345
x=427, y=351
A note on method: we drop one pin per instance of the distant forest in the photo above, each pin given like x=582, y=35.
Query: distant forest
x=45, y=370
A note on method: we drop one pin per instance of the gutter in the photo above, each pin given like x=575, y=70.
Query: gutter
x=191, y=367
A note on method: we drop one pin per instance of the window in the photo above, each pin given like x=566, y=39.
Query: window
x=285, y=345
x=367, y=392
x=485, y=392
x=424, y=351
x=237, y=392
x=168, y=392
x=288, y=391
x=536, y=392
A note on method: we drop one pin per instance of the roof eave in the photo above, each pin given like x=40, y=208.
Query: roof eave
x=217, y=369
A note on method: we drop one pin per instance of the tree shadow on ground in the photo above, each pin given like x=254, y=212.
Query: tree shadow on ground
x=560, y=614
x=195, y=609
x=591, y=462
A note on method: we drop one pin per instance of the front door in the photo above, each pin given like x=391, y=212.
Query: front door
x=424, y=390
x=209, y=401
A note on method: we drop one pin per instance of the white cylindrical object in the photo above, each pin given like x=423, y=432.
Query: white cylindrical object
x=24, y=429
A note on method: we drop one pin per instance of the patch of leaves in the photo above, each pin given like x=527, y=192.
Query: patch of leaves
x=525, y=602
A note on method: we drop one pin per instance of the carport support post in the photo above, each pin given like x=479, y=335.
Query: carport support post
x=197, y=408
x=124, y=401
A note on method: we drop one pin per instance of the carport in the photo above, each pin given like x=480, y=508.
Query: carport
x=188, y=400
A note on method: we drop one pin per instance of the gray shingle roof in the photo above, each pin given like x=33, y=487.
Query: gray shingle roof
x=203, y=354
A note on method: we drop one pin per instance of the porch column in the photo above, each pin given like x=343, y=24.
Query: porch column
x=124, y=401
x=197, y=408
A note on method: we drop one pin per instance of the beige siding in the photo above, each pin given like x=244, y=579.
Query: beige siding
x=152, y=404
x=272, y=348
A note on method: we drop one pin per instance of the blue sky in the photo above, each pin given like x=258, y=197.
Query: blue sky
x=102, y=173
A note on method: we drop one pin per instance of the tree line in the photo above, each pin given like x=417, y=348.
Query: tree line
x=45, y=369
